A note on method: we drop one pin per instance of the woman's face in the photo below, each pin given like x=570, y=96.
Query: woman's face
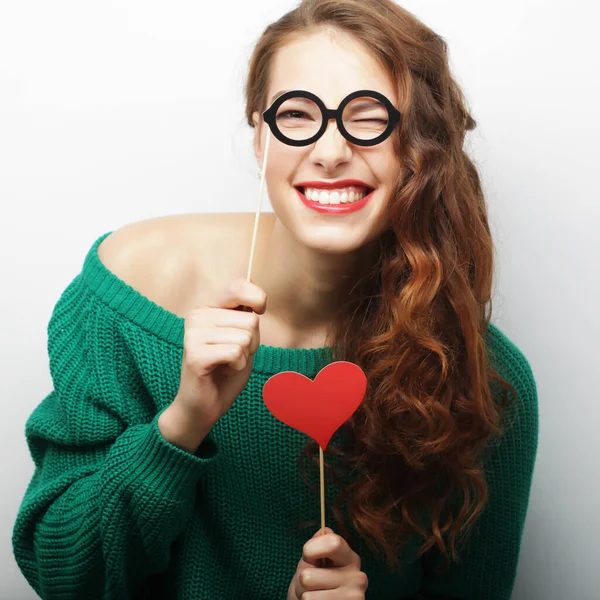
x=330, y=66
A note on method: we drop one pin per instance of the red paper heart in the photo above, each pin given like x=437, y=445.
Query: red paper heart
x=317, y=408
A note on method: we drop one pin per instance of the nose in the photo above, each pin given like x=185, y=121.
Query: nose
x=331, y=149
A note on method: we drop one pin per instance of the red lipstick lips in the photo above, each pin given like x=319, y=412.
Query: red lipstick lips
x=344, y=208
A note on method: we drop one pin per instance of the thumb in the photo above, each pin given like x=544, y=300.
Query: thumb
x=323, y=531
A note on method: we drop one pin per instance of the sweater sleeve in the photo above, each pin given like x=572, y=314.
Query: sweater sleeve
x=488, y=563
x=109, y=495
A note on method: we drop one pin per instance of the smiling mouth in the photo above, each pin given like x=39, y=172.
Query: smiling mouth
x=344, y=195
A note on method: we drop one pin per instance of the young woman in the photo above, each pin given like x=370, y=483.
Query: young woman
x=159, y=471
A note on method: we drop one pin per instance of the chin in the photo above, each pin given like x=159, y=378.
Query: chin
x=330, y=240
x=327, y=233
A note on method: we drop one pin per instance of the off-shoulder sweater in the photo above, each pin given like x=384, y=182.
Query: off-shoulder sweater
x=115, y=511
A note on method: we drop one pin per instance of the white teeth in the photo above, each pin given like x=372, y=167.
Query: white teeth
x=341, y=196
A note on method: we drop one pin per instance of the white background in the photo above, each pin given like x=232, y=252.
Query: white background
x=112, y=112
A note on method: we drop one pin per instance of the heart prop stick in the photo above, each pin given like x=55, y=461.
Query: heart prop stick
x=317, y=408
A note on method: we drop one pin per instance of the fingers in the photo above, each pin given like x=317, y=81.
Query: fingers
x=225, y=317
x=332, y=546
x=217, y=334
x=313, y=578
x=321, y=595
x=324, y=563
x=241, y=292
x=224, y=326
x=343, y=592
x=225, y=335
x=246, y=340
x=205, y=358
x=314, y=582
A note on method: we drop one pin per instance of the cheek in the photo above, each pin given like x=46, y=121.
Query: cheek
x=282, y=169
x=386, y=166
x=282, y=162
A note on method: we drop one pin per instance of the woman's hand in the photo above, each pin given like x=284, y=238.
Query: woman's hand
x=219, y=344
x=342, y=581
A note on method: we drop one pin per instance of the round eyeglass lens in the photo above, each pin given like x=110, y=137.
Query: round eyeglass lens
x=364, y=118
x=298, y=118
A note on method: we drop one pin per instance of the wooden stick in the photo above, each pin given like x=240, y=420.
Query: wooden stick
x=322, y=487
x=258, y=208
x=324, y=562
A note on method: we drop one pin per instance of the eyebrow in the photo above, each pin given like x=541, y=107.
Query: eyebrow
x=279, y=94
x=366, y=104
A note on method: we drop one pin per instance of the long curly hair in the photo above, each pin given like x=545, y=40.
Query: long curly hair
x=416, y=322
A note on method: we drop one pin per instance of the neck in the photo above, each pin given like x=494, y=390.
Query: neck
x=305, y=287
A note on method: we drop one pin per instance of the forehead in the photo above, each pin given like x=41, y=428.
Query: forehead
x=330, y=65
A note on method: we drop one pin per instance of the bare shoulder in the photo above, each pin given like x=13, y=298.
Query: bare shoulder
x=177, y=261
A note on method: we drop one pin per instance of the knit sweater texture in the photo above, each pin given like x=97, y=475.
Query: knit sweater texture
x=114, y=511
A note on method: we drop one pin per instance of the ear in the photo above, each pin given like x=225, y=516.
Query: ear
x=257, y=137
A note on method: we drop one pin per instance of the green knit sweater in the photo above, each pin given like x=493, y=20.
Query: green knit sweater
x=115, y=511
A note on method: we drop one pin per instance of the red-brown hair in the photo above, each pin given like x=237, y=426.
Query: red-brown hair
x=416, y=321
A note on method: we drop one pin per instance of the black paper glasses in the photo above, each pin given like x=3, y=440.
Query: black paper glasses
x=300, y=118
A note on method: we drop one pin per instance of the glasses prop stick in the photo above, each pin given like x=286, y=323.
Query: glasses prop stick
x=259, y=207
